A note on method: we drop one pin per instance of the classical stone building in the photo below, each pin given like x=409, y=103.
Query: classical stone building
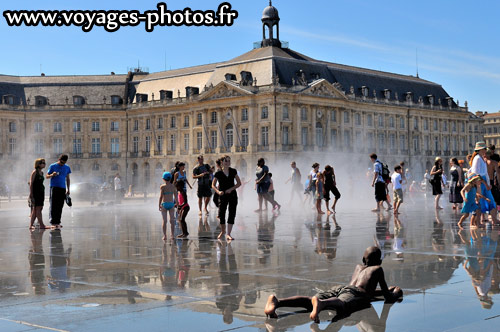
x=272, y=102
x=491, y=127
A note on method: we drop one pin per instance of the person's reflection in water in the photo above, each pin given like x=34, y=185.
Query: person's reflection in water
x=438, y=235
x=326, y=238
x=227, y=293
x=167, y=272
x=36, y=258
x=265, y=236
x=383, y=236
x=399, y=239
x=183, y=265
x=59, y=262
x=203, y=253
x=480, y=252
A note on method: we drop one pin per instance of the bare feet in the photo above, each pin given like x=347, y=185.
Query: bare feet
x=258, y=210
x=320, y=212
x=229, y=237
x=375, y=210
x=220, y=235
x=270, y=309
x=460, y=225
x=328, y=212
x=317, y=307
x=164, y=238
x=206, y=212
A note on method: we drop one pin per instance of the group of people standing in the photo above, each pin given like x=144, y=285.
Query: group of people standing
x=59, y=175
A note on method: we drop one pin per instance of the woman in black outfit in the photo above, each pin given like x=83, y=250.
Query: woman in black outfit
x=37, y=194
x=436, y=178
x=224, y=186
x=457, y=183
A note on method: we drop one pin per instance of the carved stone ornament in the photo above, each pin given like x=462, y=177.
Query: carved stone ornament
x=223, y=92
x=351, y=90
x=321, y=90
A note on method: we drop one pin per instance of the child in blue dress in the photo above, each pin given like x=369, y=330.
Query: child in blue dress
x=471, y=193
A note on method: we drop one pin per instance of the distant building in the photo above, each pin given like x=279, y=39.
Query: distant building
x=491, y=127
x=271, y=101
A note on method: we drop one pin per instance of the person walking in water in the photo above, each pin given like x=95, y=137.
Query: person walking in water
x=436, y=180
x=37, y=194
x=263, y=182
x=202, y=173
x=294, y=178
x=167, y=201
x=225, y=186
x=344, y=299
x=378, y=182
x=330, y=186
x=182, y=207
x=58, y=173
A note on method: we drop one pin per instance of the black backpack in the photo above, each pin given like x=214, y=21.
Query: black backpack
x=386, y=174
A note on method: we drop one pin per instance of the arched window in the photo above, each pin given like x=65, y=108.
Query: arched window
x=40, y=101
x=78, y=100
x=229, y=135
x=319, y=134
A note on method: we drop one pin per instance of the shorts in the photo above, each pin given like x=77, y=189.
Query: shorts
x=263, y=187
x=334, y=191
x=204, y=191
x=168, y=205
x=380, y=192
x=398, y=195
x=354, y=298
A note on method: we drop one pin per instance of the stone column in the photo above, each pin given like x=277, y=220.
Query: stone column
x=252, y=141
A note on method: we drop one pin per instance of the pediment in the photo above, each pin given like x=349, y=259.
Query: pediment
x=323, y=88
x=224, y=90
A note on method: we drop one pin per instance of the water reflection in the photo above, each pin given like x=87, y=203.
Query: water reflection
x=36, y=259
x=265, y=237
x=228, y=295
x=59, y=262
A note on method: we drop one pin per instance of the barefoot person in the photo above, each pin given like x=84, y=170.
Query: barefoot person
x=182, y=207
x=225, y=186
x=330, y=185
x=378, y=182
x=202, y=173
x=58, y=173
x=37, y=193
x=436, y=181
x=295, y=181
x=344, y=299
x=397, y=185
x=480, y=167
x=471, y=193
x=167, y=203
x=262, y=183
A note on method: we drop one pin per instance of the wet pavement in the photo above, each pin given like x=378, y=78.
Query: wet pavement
x=109, y=270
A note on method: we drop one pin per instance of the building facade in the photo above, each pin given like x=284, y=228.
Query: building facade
x=270, y=102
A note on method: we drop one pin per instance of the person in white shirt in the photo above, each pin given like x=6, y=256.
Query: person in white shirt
x=397, y=180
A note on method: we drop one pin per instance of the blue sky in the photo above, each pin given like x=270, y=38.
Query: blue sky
x=457, y=41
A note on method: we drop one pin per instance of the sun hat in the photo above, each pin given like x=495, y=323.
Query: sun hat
x=473, y=177
x=480, y=146
x=167, y=176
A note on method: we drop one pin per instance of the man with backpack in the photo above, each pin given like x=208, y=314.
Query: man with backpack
x=381, y=176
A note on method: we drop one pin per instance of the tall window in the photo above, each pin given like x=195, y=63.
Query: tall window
x=391, y=122
x=77, y=126
x=136, y=125
x=186, y=121
x=333, y=138
x=12, y=147
x=415, y=123
x=265, y=136
x=402, y=142
x=303, y=114
x=148, y=144
x=462, y=143
x=77, y=145
x=381, y=121
x=445, y=125
x=454, y=126
x=96, y=145
x=229, y=135
x=285, y=112
x=435, y=125
x=57, y=127
x=115, y=126
x=347, y=138
x=416, y=143
x=303, y=136
x=159, y=144
x=359, y=139
x=199, y=119
x=357, y=119
x=160, y=123
x=381, y=140
x=38, y=127
x=12, y=127
x=446, y=143
x=199, y=140
x=286, y=134
x=436, y=144
x=427, y=143
x=115, y=145
x=148, y=124
x=333, y=115
x=96, y=126
x=213, y=117
x=392, y=141
x=402, y=122
x=135, y=144
x=244, y=114
x=426, y=124
x=39, y=146
x=186, y=142
x=369, y=120
x=213, y=139
x=346, y=117
x=173, y=142
x=319, y=134
x=371, y=140
x=244, y=137
x=173, y=122
x=264, y=112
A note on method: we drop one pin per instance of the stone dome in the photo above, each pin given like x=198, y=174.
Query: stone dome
x=270, y=13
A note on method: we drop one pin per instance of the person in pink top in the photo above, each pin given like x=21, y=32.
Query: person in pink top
x=182, y=208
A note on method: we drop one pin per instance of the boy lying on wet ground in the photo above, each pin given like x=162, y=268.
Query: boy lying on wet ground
x=344, y=299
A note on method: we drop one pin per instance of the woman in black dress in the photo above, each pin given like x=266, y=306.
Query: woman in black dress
x=224, y=186
x=457, y=183
x=37, y=193
x=436, y=178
